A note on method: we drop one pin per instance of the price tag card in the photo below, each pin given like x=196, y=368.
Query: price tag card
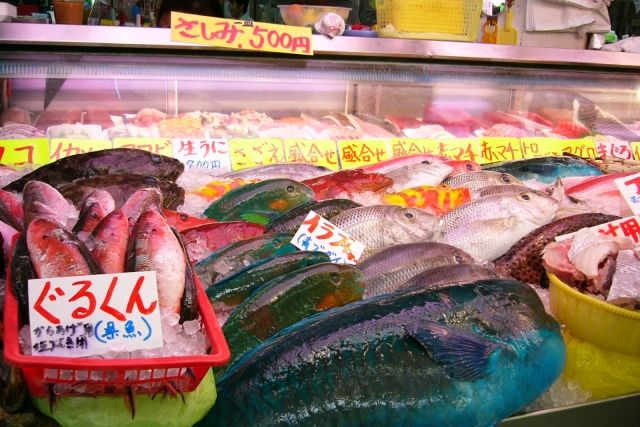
x=635, y=147
x=153, y=145
x=539, y=147
x=245, y=35
x=65, y=147
x=357, y=153
x=626, y=227
x=408, y=146
x=202, y=153
x=18, y=152
x=246, y=153
x=584, y=147
x=321, y=152
x=629, y=186
x=613, y=148
x=460, y=149
x=318, y=234
x=87, y=315
x=495, y=149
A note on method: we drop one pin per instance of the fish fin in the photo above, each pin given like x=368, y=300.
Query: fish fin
x=556, y=191
x=255, y=217
x=189, y=301
x=463, y=355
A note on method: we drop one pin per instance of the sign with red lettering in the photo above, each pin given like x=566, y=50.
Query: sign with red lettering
x=626, y=227
x=355, y=153
x=500, y=149
x=321, y=152
x=318, y=234
x=459, y=149
x=611, y=147
x=89, y=315
x=408, y=146
x=635, y=147
x=244, y=35
x=203, y=153
x=29, y=151
x=629, y=186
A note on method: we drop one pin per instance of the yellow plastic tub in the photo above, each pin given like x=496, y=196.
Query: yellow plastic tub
x=595, y=321
x=429, y=19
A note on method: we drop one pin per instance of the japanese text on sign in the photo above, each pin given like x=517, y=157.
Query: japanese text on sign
x=320, y=152
x=318, y=234
x=65, y=147
x=585, y=147
x=614, y=148
x=629, y=186
x=539, y=147
x=153, y=145
x=500, y=149
x=24, y=151
x=635, y=147
x=202, y=153
x=459, y=149
x=358, y=153
x=255, y=152
x=626, y=227
x=88, y=315
x=408, y=146
x=246, y=35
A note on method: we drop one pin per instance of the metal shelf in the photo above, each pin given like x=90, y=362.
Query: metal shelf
x=159, y=38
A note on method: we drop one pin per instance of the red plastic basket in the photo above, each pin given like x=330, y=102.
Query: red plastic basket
x=113, y=376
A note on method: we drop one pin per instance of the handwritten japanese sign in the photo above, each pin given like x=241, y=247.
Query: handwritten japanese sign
x=614, y=148
x=539, y=147
x=88, y=315
x=19, y=152
x=255, y=152
x=322, y=152
x=626, y=227
x=635, y=147
x=234, y=34
x=407, y=146
x=460, y=149
x=357, y=153
x=318, y=234
x=584, y=147
x=65, y=147
x=629, y=186
x=153, y=145
x=498, y=149
x=202, y=153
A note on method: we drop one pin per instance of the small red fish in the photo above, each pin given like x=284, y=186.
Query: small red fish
x=462, y=166
x=204, y=239
x=90, y=216
x=109, y=242
x=11, y=209
x=350, y=181
x=182, y=221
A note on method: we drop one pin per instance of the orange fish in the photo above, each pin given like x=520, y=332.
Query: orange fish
x=435, y=200
x=350, y=181
x=182, y=221
x=213, y=190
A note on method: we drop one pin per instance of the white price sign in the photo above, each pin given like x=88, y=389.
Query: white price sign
x=629, y=186
x=202, y=153
x=88, y=315
x=626, y=227
x=318, y=234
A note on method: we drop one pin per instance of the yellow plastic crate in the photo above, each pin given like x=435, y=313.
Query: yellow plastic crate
x=429, y=19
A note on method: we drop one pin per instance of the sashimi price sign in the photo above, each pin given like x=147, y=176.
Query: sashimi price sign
x=318, y=234
x=88, y=315
x=65, y=147
x=202, y=153
x=629, y=186
x=245, y=35
x=500, y=149
x=24, y=151
x=322, y=152
x=358, y=153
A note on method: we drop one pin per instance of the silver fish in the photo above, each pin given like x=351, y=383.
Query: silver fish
x=488, y=227
x=295, y=171
x=479, y=179
x=447, y=275
x=494, y=190
x=388, y=269
x=424, y=173
x=379, y=226
x=626, y=279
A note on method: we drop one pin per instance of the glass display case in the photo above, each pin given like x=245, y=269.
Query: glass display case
x=109, y=83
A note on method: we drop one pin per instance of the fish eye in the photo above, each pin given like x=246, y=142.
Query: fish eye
x=290, y=189
x=335, y=278
x=151, y=180
x=525, y=196
x=458, y=258
x=277, y=242
x=468, y=167
x=409, y=215
x=155, y=159
x=183, y=217
x=426, y=162
x=505, y=178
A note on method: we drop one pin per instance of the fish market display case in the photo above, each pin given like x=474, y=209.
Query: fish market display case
x=79, y=88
